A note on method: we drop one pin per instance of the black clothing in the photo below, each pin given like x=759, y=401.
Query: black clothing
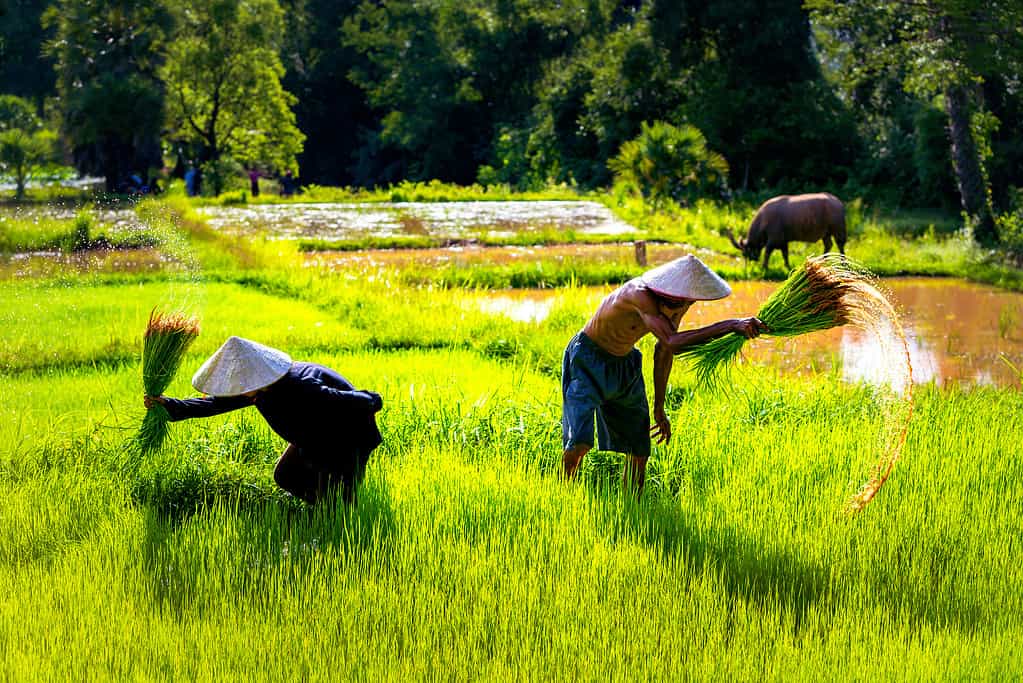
x=330, y=424
x=311, y=406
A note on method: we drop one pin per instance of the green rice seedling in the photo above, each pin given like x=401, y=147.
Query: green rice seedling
x=826, y=291
x=167, y=338
x=829, y=291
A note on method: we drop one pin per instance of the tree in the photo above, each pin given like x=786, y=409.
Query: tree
x=111, y=100
x=223, y=76
x=451, y=78
x=945, y=47
x=669, y=162
x=23, y=69
x=318, y=63
x=24, y=143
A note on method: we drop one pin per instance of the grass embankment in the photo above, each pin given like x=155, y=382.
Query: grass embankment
x=82, y=233
x=467, y=556
x=919, y=243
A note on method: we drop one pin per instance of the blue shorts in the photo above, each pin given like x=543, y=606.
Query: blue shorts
x=594, y=381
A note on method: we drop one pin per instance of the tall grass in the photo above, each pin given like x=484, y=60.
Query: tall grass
x=467, y=556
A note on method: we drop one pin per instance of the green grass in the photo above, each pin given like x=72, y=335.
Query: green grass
x=545, y=237
x=79, y=234
x=467, y=557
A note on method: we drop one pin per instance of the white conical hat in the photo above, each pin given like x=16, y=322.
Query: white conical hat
x=238, y=366
x=686, y=278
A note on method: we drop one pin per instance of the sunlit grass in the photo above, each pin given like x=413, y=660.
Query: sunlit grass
x=467, y=556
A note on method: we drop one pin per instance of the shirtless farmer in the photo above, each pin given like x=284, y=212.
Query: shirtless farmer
x=602, y=368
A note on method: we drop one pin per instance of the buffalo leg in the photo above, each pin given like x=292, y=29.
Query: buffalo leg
x=827, y=243
x=767, y=256
x=785, y=255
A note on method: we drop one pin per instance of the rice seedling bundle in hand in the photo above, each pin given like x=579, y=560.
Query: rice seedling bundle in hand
x=167, y=338
x=828, y=291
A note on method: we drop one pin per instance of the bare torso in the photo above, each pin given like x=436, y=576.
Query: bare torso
x=619, y=320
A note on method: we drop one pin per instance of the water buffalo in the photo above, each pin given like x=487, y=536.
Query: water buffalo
x=800, y=218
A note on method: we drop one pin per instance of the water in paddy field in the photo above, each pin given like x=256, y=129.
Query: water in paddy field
x=956, y=333
x=446, y=220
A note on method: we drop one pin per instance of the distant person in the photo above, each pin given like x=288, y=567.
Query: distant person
x=288, y=184
x=330, y=427
x=190, y=181
x=254, y=175
x=602, y=371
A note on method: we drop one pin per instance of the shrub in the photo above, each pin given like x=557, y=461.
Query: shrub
x=670, y=162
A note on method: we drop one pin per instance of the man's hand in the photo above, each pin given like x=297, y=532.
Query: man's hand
x=748, y=327
x=661, y=428
x=151, y=401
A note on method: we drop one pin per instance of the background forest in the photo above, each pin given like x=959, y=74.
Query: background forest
x=907, y=104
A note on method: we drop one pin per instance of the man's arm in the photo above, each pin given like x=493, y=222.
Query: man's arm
x=183, y=409
x=367, y=401
x=663, y=360
x=666, y=331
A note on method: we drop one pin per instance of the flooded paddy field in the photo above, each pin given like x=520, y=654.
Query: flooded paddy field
x=54, y=263
x=438, y=219
x=958, y=333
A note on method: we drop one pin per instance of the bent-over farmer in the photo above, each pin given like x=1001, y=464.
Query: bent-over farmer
x=330, y=427
x=602, y=370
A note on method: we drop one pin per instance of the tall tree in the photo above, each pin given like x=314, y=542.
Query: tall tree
x=24, y=71
x=223, y=76
x=318, y=63
x=945, y=47
x=111, y=100
x=447, y=76
x=24, y=143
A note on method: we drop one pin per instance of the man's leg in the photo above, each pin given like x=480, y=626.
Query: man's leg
x=634, y=474
x=573, y=457
x=295, y=474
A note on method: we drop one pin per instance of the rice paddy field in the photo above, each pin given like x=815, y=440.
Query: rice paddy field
x=467, y=556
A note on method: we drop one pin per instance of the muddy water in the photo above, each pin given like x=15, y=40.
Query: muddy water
x=958, y=333
x=438, y=219
x=52, y=264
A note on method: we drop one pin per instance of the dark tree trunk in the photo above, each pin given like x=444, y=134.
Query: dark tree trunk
x=966, y=161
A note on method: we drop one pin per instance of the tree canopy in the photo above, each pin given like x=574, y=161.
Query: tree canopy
x=223, y=75
x=911, y=102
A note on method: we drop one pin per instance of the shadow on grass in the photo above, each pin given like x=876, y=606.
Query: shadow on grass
x=757, y=571
x=237, y=536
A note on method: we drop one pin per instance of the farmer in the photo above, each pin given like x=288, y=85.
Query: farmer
x=602, y=369
x=330, y=426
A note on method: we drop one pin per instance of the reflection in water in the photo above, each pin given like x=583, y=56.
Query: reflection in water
x=519, y=309
x=957, y=333
x=51, y=264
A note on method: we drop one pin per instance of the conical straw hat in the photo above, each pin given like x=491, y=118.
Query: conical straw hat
x=686, y=278
x=238, y=366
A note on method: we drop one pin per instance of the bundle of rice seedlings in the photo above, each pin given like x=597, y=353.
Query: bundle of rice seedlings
x=167, y=338
x=826, y=291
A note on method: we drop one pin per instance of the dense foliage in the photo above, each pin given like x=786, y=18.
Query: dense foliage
x=912, y=104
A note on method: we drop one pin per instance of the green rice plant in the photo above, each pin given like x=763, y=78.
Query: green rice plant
x=167, y=338
x=826, y=291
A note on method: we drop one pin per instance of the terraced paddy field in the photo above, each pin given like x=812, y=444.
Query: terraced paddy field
x=467, y=556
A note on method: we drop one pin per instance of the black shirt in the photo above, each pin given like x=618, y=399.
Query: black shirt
x=311, y=406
